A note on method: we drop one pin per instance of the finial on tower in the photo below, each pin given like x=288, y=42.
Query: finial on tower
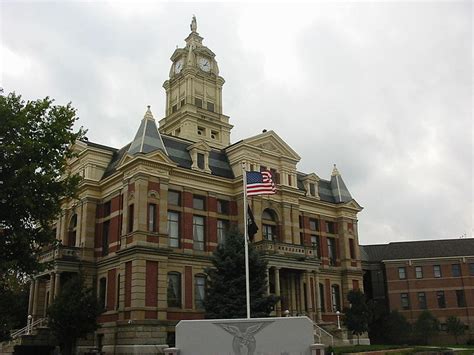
x=148, y=114
x=335, y=172
x=193, y=24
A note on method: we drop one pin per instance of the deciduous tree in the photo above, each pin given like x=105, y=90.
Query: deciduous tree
x=455, y=327
x=356, y=317
x=35, y=141
x=73, y=313
x=426, y=326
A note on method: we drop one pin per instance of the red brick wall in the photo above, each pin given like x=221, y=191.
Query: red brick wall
x=327, y=287
x=187, y=218
x=153, y=186
x=128, y=284
x=151, y=284
x=188, y=287
x=430, y=285
x=111, y=289
x=233, y=208
x=211, y=230
x=306, y=234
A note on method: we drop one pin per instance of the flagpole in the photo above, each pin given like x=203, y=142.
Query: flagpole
x=246, y=237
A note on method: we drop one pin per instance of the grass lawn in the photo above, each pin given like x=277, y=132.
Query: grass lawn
x=360, y=348
x=413, y=349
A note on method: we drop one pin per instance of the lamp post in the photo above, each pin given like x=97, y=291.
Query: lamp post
x=338, y=314
x=28, y=324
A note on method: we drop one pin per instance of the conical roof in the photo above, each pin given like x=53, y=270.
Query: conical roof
x=148, y=138
x=339, y=190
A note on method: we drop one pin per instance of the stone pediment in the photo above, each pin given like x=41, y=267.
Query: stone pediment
x=352, y=204
x=201, y=145
x=157, y=156
x=271, y=142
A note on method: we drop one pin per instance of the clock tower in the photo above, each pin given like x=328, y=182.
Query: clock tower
x=194, y=95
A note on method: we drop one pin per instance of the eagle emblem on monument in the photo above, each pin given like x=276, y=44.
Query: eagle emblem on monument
x=244, y=342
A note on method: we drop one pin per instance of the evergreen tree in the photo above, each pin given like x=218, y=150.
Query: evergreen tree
x=73, y=313
x=455, y=327
x=225, y=296
x=426, y=326
x=356, y=317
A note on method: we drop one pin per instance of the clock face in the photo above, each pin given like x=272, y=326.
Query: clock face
x=178, y=66
x=204, y=64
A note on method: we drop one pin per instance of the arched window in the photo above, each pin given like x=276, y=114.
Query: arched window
x=174, y=289
x=71, y=235
x=335, y=298
x=269, y=225
x=199, y=291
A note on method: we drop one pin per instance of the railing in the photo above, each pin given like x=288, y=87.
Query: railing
x=59, y=252
x=318, y=331
x=30, y=326
x=286, y=249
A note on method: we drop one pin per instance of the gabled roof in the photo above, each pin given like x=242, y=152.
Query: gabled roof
x=418, y=249
x=148, y=138
x=267, y=141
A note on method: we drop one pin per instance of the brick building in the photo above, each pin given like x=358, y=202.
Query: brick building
x=437, y=275
x=150, y=214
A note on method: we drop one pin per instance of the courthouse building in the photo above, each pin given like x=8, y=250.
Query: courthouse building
x=150, y=214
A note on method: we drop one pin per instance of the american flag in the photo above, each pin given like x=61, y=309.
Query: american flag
x=260, y=183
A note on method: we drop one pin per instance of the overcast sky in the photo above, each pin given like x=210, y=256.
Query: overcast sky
x=382, y=89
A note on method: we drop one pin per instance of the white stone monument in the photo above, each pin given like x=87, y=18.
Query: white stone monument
x=255, y=336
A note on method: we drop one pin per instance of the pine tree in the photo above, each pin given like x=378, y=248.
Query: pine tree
x=225, y=296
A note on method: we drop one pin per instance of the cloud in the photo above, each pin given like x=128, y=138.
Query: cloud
x=383, y=89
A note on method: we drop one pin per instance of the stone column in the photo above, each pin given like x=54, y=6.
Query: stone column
x=301, y=294
x=292, y=293
x=57, y=284
x=35, y=299
x=52, y=286
x=32, y=295
x=308, y=295
x=319, y=316
x=268, y=280
x=277, y=291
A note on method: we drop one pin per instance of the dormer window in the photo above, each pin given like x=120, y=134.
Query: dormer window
x=200, y=155
x=310, y=183
x=200, y=160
